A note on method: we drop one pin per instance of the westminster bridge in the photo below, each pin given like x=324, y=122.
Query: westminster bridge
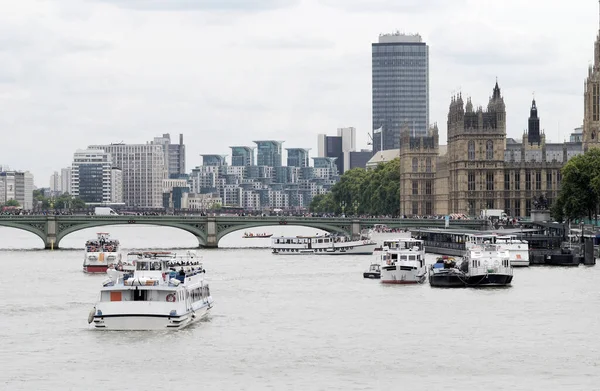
x=210, y=229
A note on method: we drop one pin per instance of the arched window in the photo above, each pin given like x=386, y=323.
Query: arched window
x=489, y=150
x=428, y=165
x=415, y=164
x=471, y=150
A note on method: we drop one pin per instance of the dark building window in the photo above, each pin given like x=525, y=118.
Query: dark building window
x=507, y=180
x=538, y=180
x=558, y=180
x=595, y=102
x=428, y=210
x=471, y=150
x=489, y=204
x=428, y=188
x=415, y=164
x=489, y=181
x=548, y=180
x=507, y=206
x=517, y=208
x=415, y=188
x=471, y=180
x=428, y=165
x=415, y=208
x=489, y=150
x=527, y=181
x=527, y=207
x=517, y=180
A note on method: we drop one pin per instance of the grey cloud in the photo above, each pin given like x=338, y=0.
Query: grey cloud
x=202, y=5
x=407, y=6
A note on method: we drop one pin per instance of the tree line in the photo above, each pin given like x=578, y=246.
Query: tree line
x=363, y=192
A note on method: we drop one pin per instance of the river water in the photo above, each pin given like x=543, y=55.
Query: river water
x=295, y=323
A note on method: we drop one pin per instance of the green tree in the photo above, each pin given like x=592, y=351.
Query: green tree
x=374, y=192
x=12, y=203
x=580, y=187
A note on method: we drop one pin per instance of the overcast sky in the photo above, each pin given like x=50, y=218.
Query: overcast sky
x=225, y=72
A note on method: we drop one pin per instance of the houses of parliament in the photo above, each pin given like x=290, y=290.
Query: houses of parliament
x=480, y=168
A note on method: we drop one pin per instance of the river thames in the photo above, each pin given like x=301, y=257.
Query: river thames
x=295, y=323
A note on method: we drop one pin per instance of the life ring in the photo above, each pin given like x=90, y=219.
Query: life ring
x=110, y=249
x=171, y=297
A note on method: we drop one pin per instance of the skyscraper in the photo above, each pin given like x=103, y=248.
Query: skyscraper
x=268, y=153
x=400, y=83
x=242, y=156
x=65, y=180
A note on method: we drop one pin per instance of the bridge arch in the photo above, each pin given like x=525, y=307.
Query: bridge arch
x=224, y=229
x=194, y=229
x=32, y=228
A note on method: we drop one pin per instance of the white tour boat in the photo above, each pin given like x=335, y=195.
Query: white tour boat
x=518, y=250
x=322, y=245
x=100, y=252
x=165, y=291
x=487, y=265
x=403, y=261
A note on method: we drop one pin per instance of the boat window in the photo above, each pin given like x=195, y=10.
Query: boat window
x=141, y=265
x=411, y=257
x=403, y=257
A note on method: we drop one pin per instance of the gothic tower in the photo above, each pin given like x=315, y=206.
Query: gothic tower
x=591, y=108
x=533, y=132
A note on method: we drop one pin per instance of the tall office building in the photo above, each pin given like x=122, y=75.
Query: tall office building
x=268, y=153
x=65, y=180
x=297, y=157
x=174, y=155
x=91, y=176
x=143, y=168
x=348, y=136
x=18, y=186
x=400, y=83
x=55, y=182
x=242, y=156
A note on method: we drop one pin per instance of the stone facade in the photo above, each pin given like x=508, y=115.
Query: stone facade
x=482, y=169
x=591, y=108
x=418, y=155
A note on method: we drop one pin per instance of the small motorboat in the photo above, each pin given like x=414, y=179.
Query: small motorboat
x=445, y=273
x=373, y=272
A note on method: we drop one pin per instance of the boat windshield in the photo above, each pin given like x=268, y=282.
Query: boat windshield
x=151, y=265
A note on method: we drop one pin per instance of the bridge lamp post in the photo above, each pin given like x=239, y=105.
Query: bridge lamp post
x=343, y=205
x=355, y=204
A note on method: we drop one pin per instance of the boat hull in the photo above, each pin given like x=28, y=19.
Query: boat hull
x=396, y=276
x=143, y=322
x=447, y=280
x=95, y=269
x=490, y=279
x=366, y=249
x=372, y=275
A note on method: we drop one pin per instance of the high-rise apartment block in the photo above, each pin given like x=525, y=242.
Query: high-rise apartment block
x=143, y=170
x=400, y=88
x=174, y=155
x=242, y=156
x=297, y=157
x=339, y=147
x=269, y=153
x=65, y=180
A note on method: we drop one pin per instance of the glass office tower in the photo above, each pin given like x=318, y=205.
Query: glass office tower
x=400, y=83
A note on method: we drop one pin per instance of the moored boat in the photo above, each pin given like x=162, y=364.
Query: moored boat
x=165, y=291
x=445, y=273
x=487, y=265
x=374, y=271
x=403, y=262
x=322, y=245
x=254, y=236
x=100, y=252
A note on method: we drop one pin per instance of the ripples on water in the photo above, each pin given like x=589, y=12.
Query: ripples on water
x=297, y=323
